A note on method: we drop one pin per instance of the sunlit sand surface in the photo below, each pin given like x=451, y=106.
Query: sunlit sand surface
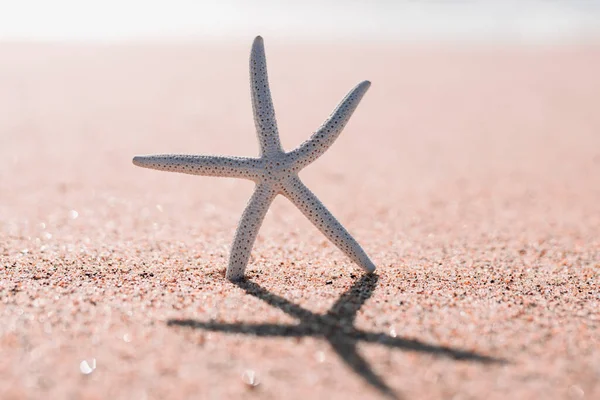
x=477, y=196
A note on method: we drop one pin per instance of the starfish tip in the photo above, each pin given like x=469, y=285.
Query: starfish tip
x=137, y=160
x=370, y=267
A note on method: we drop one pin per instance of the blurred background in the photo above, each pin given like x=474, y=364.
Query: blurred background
x=406, y=20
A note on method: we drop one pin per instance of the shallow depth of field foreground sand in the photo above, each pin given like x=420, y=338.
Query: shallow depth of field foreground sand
x=471, y=176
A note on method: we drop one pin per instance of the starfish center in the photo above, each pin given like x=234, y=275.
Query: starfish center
x=278, y=169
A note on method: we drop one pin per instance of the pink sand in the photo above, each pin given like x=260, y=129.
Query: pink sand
x=471, y=177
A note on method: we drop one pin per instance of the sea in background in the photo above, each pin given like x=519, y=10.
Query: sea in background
x=382, y=20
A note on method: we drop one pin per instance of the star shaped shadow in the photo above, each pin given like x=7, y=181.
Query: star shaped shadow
x=337, y=328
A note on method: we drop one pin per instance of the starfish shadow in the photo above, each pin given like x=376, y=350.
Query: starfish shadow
x=337, y=328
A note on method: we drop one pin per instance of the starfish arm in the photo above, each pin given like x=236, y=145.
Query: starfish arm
x=316, y=212
x=247, y=230
x=235, y=167
x=324, y=137
x=262, y=104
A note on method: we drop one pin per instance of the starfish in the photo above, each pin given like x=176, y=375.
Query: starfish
x=274, y=171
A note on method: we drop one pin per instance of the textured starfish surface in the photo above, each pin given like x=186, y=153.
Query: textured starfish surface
x=274, y=171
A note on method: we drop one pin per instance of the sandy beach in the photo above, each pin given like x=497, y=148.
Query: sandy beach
x=470, y=174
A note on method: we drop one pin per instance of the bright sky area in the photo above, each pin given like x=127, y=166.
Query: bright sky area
x=520, y=20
